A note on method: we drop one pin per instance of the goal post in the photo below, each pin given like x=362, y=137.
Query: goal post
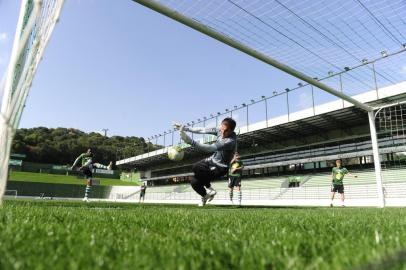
x=209, y=31
x=35, y=25
x=377, y=159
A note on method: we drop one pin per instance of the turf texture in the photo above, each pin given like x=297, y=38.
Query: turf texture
x=72, y=235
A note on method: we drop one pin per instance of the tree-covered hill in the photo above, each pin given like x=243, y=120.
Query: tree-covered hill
x=63, y=145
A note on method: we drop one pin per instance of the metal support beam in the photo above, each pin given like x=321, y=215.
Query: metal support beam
x=294, y=135
x=158, y=7
x=271, y=135
x=285, y=131
x=266, y=137
x=358, y=112
x=321, y=131
x=336, y=121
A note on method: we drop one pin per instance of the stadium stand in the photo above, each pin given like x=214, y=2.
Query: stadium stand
x=317, y=186
x=302, y=146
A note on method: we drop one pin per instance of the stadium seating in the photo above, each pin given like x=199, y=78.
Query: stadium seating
x=317, y=186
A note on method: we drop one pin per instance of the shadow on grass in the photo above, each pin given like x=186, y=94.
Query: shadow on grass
x=394, y=261
x=125, y=205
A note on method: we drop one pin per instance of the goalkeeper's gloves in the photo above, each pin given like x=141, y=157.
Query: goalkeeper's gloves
x=185, y=137
x=178, y=126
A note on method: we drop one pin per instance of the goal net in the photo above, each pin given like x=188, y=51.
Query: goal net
x=391, y=129
x=35, y=25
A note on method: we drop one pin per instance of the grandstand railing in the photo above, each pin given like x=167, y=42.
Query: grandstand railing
x=304, y=192
x=318, y=187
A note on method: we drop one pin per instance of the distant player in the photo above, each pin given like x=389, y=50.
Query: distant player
x=234, y=177
x=218, y=163
x=337, y=175
x=142, y=192
x=86, y=168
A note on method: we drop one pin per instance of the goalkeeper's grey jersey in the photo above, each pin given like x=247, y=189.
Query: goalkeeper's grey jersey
x=226, y=148
x=223, y=148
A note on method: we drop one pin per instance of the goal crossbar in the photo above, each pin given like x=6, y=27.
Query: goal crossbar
x=194, y=24
x=156, y=6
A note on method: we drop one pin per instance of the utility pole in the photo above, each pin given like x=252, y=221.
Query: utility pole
x=105, y=131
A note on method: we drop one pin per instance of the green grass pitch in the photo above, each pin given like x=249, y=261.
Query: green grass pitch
x=63, y=179
x=73, y=235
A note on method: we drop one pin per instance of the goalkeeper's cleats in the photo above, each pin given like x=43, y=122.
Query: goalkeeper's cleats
x=205, y=198
x=86, y=199
x=211, y=192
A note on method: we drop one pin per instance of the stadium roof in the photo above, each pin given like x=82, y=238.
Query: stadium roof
x=328, y=116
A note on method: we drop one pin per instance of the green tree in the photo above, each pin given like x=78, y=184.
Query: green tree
x=63, y=145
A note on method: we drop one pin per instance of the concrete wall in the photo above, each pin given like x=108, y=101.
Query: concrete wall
x=34, y=189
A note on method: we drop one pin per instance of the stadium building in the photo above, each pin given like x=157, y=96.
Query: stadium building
x=302, y=147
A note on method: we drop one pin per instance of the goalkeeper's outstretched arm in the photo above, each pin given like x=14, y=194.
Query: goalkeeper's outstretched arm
x=198, y=130
x=209, y=148
x=202, y=130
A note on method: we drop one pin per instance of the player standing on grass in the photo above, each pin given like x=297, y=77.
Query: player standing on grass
x=234, y=177
x=87, y=169
x=218, y=163
x=337, y=176
x=142, y=192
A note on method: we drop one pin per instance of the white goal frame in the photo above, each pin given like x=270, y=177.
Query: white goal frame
x=173, y=14
x=36, y=22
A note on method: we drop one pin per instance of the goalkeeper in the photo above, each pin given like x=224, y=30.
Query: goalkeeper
x=217, y=164
x=87, y=169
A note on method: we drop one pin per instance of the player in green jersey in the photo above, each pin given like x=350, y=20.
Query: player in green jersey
x=142, y=192
x=86, y=168
x=234, y=177
x=337, y=176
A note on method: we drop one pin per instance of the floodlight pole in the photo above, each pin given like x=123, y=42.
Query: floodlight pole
x=314, y=109
x=266, y=111
x=158, y=7
x=172, y=136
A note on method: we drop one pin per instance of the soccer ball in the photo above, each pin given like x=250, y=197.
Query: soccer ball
x=175, y=153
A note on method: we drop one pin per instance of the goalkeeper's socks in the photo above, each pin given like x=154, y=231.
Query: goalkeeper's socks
x=239, y=197
x=87, y=191
x=231, y=195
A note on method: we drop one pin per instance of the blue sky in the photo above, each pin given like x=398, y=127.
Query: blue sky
x=123, y=67
x=118, y=65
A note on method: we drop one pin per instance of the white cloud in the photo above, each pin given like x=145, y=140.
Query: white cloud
x=3, y=37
